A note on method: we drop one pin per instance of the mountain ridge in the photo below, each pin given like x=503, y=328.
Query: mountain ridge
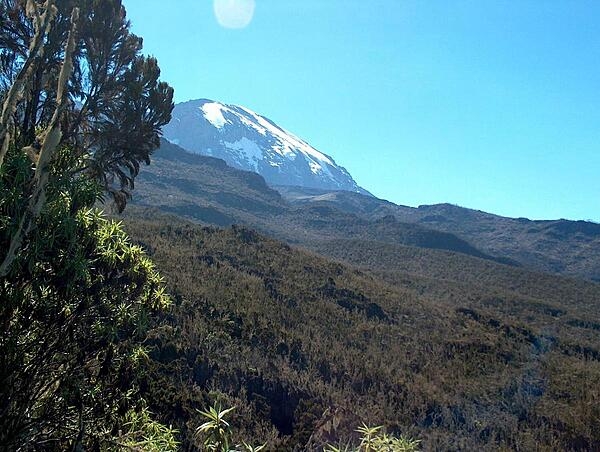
x=207, y=190
x=558, y=246
x=204, y=189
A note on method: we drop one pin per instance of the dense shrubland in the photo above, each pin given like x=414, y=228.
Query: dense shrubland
x=299, y=344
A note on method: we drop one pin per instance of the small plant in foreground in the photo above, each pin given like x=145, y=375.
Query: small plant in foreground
x=217, y=434
x=374, y=440
x=144, y=433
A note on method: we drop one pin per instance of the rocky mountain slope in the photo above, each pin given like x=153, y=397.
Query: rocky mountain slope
x=205, y=189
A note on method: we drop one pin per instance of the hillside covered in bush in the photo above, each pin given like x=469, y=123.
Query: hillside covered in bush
x=297, y=342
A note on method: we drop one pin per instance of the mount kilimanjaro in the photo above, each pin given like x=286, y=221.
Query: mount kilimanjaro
x=249, y=141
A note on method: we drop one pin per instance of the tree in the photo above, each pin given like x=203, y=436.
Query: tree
x=71, y=74
x=81, y=108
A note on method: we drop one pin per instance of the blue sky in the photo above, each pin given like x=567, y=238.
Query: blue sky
x=492, y=105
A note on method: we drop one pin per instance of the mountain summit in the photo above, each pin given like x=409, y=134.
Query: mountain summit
x=249, y=141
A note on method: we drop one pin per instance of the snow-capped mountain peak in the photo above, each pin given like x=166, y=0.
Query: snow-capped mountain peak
x=247, y=140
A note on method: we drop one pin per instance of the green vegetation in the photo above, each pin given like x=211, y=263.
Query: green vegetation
x=374, y=440
x=142, y=432
x=80, y=109
x=75, y=308
x=216, y=434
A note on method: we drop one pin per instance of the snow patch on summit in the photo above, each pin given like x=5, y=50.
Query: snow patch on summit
x=288, y=142
x=214, y=114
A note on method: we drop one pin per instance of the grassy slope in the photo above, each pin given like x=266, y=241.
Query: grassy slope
x=459, y=351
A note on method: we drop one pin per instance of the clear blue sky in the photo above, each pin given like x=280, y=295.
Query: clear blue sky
x=492, y=105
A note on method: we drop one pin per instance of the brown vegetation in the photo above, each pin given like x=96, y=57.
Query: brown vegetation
x=470, y=355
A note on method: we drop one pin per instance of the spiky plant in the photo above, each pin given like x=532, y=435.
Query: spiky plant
x=216, y=433
x=374, y=439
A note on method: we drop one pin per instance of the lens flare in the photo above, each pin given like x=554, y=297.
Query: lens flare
x=234, y=13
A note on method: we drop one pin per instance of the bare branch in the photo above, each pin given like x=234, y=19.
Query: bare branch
x=51, y=138
x=36, y=49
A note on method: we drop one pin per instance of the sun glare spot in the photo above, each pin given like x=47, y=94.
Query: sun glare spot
x=234, y=13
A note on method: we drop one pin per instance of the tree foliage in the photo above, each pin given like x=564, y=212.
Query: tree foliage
x=115, y=104
x=71, y=74
x=81, y=108
x=74, y=311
